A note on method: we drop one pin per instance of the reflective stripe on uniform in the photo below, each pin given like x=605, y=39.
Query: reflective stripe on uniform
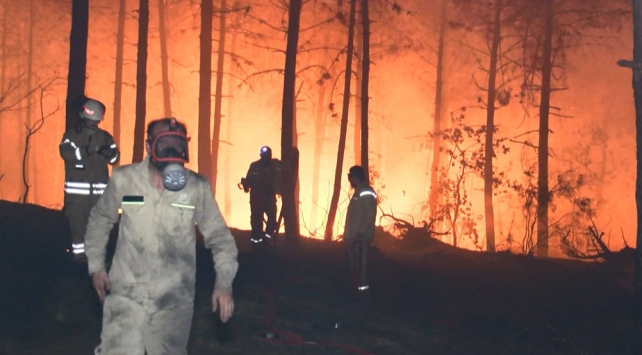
x=75, y=191
x=113, y=160
x=78, y=248
x=180, y=205
x=256, y=240
x=366, y=193
x=77, y=184
x=78, y=155
x=79, y=166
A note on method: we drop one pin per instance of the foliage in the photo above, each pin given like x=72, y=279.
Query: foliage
x=464, y=145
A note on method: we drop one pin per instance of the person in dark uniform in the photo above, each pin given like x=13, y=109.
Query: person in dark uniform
x=86, y=151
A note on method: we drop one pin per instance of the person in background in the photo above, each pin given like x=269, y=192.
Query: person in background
x=263, y=182
x=86, y=151
x=360, y=225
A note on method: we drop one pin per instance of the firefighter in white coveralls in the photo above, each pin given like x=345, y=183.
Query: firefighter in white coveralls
x=360, y=225
x=149, y=291
x=86, y=150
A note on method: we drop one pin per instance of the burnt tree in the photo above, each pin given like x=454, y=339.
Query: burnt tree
x=118, y=81
x=77, y=59
x=334, y=201
x=218, y=94
x=205, y=91
x=289, y=153
x=141, y=82
x=162, y=28
x=365, y=81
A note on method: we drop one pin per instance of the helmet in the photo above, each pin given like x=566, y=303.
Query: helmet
x=93, y=110
x=265, y=150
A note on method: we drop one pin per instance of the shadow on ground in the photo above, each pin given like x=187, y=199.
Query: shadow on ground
x=292, y=298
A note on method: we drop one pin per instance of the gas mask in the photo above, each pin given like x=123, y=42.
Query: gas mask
x=169, y=153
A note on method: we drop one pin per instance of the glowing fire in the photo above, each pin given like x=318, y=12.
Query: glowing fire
x=401, y=110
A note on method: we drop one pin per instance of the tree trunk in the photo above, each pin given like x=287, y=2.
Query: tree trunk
x=77, y=59
x=5, y=27
x=289, y=154
x=542, y=161
x=205, y=91
x=118, y=81
x=30, y=152
x=637, y=90
x=365, y=82
x=490, y=130
x=334, y=201
x=218, y=99
x=358, y=58
x=319, y=138
x=228, y=127
x=162, y=28
x=433, y=198
x=141, y=82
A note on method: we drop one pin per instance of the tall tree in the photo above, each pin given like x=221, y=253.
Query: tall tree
x=5, y=27
x=118, y=81
x=334, y=201
x=319, y=138
x=358, y=59
x=433, y=198
x=141, y=82
x=542, y=153
x=365, y=82
x=205, y=91
x=77, y=58
x=162, y=28
x=29, y=163
x=490, y=128
x=289, y=153
x=636, y=65
x=218, y=93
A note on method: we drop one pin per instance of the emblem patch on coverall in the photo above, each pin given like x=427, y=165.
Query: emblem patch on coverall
x=183, y=198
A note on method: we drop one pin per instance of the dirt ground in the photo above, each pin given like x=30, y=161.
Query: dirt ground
x=425, y=298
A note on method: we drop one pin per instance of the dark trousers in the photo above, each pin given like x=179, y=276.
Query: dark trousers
x=77, y=209
x=358, y=256
x=258, y=209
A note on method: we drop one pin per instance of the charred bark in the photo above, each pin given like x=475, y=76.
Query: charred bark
x=319, y=138
x=77, y=59
x=218, y=98
x=205, y=91
x=118, y=81
x=489, y=153
x=289, y=154
x=433, y=198
x=141, y=82
x=28, y=163
x=358, y=57
x=543, y=194
x=162, y=28
x=637, y=92
x=365, y=82
x=334, y=201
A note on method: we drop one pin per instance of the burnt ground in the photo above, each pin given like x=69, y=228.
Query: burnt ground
x=426, y=298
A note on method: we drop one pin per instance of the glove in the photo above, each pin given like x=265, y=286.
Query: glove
x=106, y=151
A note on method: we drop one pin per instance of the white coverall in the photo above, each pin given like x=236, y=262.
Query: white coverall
x=150, y=305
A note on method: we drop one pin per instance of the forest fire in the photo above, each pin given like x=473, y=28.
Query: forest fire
x=421, y=73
